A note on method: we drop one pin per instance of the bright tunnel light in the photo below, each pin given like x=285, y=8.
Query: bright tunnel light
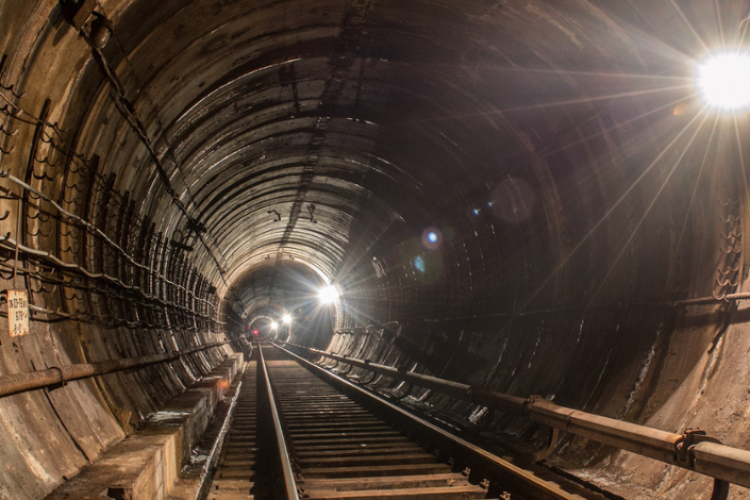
x=287, y=318
x=724, y=80
x=328, y=295
x=274, y=325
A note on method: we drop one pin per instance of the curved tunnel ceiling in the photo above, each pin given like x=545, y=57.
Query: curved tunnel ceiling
x=317, y=131
x=515, y=193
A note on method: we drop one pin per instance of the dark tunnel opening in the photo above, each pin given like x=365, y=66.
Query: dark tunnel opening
x=525, y=195
x=282, y=302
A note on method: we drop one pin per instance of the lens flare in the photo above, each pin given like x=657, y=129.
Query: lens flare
x=274, y=325
x=724, y=80
x=287, y=318
x=328, y=294
x=419, y=264
x=432, y=238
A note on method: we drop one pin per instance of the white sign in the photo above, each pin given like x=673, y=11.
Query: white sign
x=18, y=312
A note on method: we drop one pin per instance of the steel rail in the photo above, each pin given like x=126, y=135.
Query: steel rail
x=286, y=463
x=513, y=477
x=28, y=381
x=693, y=450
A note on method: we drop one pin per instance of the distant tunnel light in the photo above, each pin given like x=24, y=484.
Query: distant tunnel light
x=274, y=325
x=287, y=319
x=724, y=80
x=328, y=294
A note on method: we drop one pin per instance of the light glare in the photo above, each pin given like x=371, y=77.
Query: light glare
x=274, y=325
x=287, y=318
x=724, y=80
x=328, y=295
x=432, y=238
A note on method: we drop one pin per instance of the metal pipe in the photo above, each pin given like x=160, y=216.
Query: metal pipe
x=692, y=450
x=636, y=438
x=27, y=381
x=730, y=297
x=286, y=462
x=717, y=460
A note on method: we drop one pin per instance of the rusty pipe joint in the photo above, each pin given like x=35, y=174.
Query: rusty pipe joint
x=532, y=400
x=685, y=446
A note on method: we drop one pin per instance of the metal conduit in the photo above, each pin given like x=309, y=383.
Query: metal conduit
x=27, y=381
x=693, y=450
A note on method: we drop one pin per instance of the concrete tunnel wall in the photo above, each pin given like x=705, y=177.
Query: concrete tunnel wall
x=223, y=152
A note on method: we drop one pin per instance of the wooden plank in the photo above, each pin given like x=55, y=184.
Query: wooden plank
x=397, y=458
x=358, y=450
x=379, y=483
x=435, y=493
x=378, y=470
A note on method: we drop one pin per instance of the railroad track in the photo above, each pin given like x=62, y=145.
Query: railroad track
x=342, y=451
x=302, y=437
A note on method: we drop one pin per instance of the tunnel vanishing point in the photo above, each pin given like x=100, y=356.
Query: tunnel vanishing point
x=537, y=197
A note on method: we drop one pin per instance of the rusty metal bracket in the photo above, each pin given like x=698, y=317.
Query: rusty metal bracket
x=373, y=376
x=721, y=490
x=406, y=392
x=684, y=446
x=552, y=440
x=529, y=402
x=62, y=375
x=77, y=13
x=342, y=372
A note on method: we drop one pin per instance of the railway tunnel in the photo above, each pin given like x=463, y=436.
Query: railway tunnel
x=537, y=198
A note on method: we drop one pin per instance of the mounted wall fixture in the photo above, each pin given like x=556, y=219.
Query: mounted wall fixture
x=97, y=31
x=100, y=31
x=78, y=12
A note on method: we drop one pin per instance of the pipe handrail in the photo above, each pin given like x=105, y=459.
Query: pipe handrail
x=28, y=381
x=693, y=450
